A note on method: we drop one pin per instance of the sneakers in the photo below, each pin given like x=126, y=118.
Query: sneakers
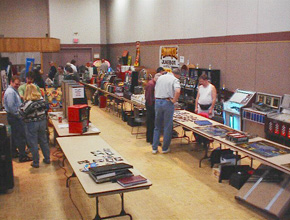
x=34, y=165
x=166, y=151
x=154, y=151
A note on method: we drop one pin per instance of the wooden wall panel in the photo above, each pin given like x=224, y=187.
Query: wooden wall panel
x=29, y=45
x=50, y=45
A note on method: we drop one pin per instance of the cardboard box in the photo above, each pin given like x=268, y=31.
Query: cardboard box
x=3, y=118
x=216, y=172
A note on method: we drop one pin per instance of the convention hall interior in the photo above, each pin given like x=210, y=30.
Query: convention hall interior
x=244, y=48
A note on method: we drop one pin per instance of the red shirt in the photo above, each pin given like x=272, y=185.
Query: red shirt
x=149, y=92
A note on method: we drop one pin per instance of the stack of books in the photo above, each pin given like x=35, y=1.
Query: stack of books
x=110, y=173
x=131, y=180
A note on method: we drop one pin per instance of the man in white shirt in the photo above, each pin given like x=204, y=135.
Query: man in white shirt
x=206, y=97
x=167, y=91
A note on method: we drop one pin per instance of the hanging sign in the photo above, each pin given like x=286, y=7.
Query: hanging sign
x=168, y=56
x=29, y=65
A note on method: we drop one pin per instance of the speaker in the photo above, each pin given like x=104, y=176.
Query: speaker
x=215, y=78
x=6, y=169
x=134, y=81
x=4, y=62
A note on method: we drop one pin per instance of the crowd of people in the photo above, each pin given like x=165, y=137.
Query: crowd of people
x=26, y=108
x=26, y=114
x=27, y=111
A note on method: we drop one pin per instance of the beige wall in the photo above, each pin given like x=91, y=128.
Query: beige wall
x=262, y=67
x=24, y=18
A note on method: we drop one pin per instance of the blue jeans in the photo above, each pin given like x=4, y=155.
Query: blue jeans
x=36, y=133
x=164, y=110
x=17, y=135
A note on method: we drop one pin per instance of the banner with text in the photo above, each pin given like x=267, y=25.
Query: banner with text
x=168, y=56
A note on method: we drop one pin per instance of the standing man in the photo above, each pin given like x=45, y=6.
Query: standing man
x=58, y=78
x=12, y=102
x=150, y=107
x=167, y=91
x=75, y=70
x=206, y=96
x=29, y=79
x=73, y=66
x=52, y=70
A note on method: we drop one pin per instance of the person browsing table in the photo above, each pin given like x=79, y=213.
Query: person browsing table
x=150, y=107
x=167, y=92
x=12, y=102
x=206, y=96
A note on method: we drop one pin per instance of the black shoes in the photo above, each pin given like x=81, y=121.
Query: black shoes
x=46, y=161
x=25, y=159
x=34, y=165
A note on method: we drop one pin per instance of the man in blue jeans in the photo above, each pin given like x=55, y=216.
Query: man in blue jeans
x=12, y=102
x=167, y=91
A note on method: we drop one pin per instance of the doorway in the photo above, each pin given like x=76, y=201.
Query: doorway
x=80, y=55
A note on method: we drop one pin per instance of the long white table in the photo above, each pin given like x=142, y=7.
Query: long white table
x=79, y=148
x=276, y=162
x=62, y=130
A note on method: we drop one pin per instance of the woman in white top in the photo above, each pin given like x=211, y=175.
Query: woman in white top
x=206, y=96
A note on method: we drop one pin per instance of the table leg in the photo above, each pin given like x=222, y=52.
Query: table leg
x=205, y=154
x=54, y=137
x=122, y=213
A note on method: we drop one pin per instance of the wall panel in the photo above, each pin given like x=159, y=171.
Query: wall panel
x=24, y=18
x=263, y=67
x=240, y=66
x=273, y=68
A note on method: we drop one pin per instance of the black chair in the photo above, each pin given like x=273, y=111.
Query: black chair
x=139, y=119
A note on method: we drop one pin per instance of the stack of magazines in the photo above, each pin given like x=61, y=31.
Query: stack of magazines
x=110, y=173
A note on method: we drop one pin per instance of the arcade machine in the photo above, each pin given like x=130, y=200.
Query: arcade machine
x=232, y=109
x=254, y=117
x=73, y=93
x=277, y=124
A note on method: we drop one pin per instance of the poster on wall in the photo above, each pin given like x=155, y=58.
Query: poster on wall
x=168, y=56
x=29, y=65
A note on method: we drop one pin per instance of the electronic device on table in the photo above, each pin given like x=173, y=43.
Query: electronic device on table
x=254, y=116
x=232, y=109
x=78, y=118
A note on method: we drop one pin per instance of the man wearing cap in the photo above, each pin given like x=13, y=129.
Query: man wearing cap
x=167, y=91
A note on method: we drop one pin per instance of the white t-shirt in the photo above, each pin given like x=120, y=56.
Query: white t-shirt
x=205, y=95
x=166, y=86
x=205, y=98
